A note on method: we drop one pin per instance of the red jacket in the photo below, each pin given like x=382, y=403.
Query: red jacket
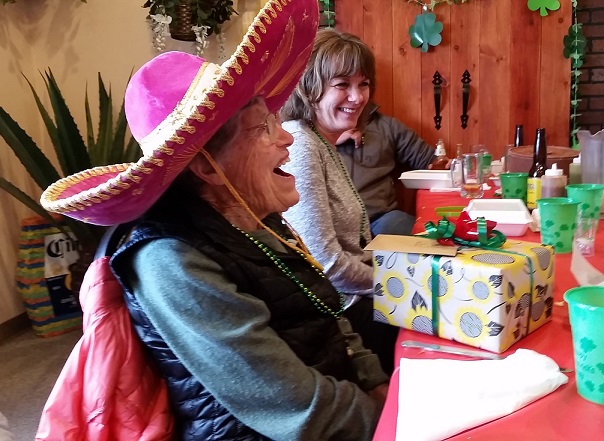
x=106, y=390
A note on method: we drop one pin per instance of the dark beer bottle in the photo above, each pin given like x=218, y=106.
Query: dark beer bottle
x=519, y=136
x=533, y=188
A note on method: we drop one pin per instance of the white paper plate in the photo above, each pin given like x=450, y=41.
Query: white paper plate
x=427, y=179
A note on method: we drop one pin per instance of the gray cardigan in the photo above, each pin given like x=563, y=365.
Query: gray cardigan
x=329, y=216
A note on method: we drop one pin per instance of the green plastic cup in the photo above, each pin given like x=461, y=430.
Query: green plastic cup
x=586, y=312
x=558, y=222
x=589, y=197
x=513, y=185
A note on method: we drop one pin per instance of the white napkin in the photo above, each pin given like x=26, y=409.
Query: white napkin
x=439, y=398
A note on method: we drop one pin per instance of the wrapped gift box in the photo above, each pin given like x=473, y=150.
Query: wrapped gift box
x=484, y=298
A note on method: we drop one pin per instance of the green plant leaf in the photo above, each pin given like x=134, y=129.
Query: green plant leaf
x=425, y=32
x=70, y=144
x=543, y=6
x=68, y=147
x=25, y=199
x=25, y=149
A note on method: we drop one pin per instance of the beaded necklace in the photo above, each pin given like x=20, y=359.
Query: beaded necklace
x=316, y=301
x=336, y=159
x=300, y=248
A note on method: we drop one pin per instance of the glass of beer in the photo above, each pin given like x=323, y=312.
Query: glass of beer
x=472, y=176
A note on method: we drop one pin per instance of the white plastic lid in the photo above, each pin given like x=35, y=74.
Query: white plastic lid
x=577, y=160
x=554, y=171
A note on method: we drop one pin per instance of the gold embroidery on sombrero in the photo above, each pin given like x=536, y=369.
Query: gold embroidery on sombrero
x=266, y=18
x=198, y=116
x=216, y=90
x=188, y=128
x=243, y=56
x=271, y=9
x=280, y=56
x=156, y=161
x=257, y=39
x=289, y=76
x=167, y=150
x=235, y=65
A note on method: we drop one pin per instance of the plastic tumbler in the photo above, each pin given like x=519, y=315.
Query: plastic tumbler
x=513, y=185
x=586, y=312
x=558, y=222
x=589, y=197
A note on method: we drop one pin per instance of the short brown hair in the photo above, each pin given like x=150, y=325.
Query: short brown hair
x=335, y=54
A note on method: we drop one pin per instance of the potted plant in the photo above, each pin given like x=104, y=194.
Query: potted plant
x=187, y=20
x=110, y=145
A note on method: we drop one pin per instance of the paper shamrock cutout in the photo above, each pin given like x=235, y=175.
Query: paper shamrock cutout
x=425, y=32
x=543, y=6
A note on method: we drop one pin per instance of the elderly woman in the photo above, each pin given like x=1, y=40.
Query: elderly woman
x=331, y=218
x=232, y=307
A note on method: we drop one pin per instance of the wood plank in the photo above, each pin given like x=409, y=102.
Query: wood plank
x=525, y=65
x=465, y=45
x=378, y=36
x=493, y=97
x=349, y=16
x=555, y=77
x=406, y=66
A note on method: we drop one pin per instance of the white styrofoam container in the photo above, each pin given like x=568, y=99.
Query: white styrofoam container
x=427, y=179
x=511, y=215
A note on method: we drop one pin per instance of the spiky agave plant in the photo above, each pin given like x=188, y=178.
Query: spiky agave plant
x=110, y=145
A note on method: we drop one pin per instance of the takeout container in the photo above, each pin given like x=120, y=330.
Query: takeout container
x=511, y=215
x=426, y=179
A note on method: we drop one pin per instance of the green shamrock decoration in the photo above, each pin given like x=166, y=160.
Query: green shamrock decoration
x=425, y=32
x=543, y=6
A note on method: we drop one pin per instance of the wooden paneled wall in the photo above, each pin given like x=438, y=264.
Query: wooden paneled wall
x=514, y=56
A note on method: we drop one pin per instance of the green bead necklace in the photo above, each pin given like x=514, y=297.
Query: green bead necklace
x=336, y=159
x=316, y=301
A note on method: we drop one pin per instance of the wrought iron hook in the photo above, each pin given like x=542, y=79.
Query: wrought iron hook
x=465, y=94
x=437, y=80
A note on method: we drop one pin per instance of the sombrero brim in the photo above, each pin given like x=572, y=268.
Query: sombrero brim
x=268, y=62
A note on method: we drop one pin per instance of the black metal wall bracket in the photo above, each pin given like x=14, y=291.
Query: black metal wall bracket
x=465, y=96
x=437, y=80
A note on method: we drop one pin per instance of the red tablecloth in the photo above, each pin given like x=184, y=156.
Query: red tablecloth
x=560, y=416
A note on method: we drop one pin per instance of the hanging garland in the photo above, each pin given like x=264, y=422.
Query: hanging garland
x=327, y=14
x=574, y=48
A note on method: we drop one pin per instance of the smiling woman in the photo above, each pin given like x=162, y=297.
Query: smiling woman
x=331, y=218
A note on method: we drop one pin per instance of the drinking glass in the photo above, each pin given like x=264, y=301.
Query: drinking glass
x=472, y=176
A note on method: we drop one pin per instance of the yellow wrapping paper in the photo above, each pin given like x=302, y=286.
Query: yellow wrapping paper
x=485, y=298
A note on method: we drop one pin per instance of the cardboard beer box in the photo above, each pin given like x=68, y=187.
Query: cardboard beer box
x=489, y=299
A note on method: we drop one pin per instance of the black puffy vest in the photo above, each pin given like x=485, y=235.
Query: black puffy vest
x=314, y=336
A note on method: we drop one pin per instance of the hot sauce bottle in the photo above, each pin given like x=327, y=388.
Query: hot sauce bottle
x=441, y=160
x=537, y=170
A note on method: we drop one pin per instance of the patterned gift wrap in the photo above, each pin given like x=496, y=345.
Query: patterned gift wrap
x=49, y=315
x=484, y=298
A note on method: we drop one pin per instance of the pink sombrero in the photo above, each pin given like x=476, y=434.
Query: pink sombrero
x=177, y=101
